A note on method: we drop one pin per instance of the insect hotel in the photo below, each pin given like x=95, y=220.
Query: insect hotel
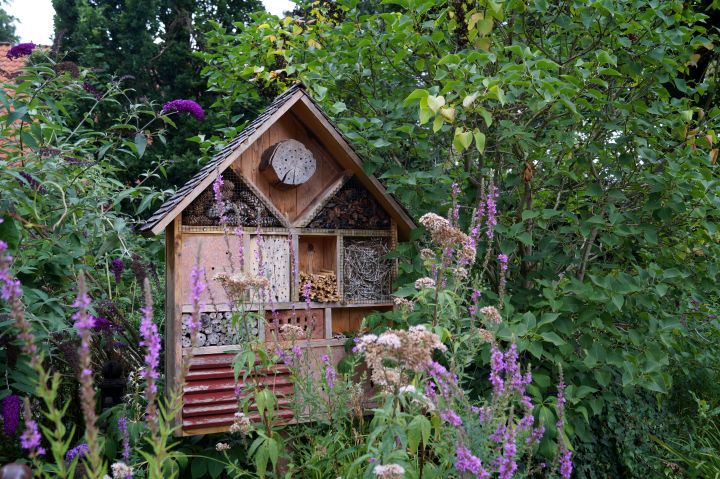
x=297, y=208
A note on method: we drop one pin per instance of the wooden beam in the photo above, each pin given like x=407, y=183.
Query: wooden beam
x=173, y=307
x=175, y=211
x=334, y=142
x=318, y=203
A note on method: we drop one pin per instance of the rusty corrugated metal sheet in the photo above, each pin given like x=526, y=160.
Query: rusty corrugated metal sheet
x=209, y=400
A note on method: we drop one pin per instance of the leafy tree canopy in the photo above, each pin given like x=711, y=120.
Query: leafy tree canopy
x=7, y=25
x=596, y=121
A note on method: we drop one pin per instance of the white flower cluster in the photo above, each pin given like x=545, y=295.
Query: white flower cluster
x=120, y=470
x=389, y=471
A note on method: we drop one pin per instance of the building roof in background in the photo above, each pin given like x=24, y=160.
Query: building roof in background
x=9, y=68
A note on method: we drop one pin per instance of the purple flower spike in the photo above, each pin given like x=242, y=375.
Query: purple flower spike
x=566, y=464
x=465, y=461
x=451, y=417
x=117, y=267
x=78, y=451
x=330, y=377
x=20, y=50
x=10, y=411
x=122, y=427
x=185, y=106
x=503, y=260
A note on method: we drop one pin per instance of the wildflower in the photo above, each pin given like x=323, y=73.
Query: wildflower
x=526, y=422
x=459, y=273
x=451, y=417
x=78, y=451
x=306, y=292
x=503, y=260
x=10, y=411
x=389, y=471
x=297, y=352
x=485, y=335
x=291, y=332
x=408, y=389
x=30, y=438
x=506, y=462
x=241, y=424
x=239, y=234
x=330, y=376
x=20, y=50
x=185, y=106
x=120, y=470
x=197, y=287
x=390, y=340
x=455, y=213
x=566, y=465
x=443, y=232
x=491, y=208
x=151, y=343
x=422, y=283
x=237, y=284
x=467, y=252
x=535, y=435
x=465, y=461
x=138, y=268
x=117, y=266
x=491, y=314
x=497, y=366
x=219, y=202
x=427, y=254
x=122, y=427
x=222, y=446
x=403, y=304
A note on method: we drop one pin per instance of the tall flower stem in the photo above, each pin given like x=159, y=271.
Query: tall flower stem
x=84, y=323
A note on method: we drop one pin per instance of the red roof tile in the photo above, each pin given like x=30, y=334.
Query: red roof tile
x=8, y=68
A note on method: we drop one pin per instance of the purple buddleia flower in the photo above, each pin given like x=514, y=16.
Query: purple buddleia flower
x=10, y=411
x=451, y=417
x=491, y=207
x=117, y=266
x=32, y=182
x=92, y=90
x=566, y=464
x=123, y=428
x=78, y=451
x=20, y=50
x=465, y=461
x=185, y=106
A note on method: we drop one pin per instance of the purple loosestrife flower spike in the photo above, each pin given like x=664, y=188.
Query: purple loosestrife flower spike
x=185, y=106
x=30, y=438
x=151, y=343
x=78, y=451
x=506, y=462
x=11, y=291
x=306, y=288
x=503, y=260
x=566, y=464
x=84, y=322
x=330, y=376
x=10, y=410
x=117, y=266
x=219, y=202
x=197, y=287
x=20, y=50
x=240, y=235
x=491, y=208
x=451, y=417
x=123, y=428
x=455, y=217
x=497, y=366
x=465, y=461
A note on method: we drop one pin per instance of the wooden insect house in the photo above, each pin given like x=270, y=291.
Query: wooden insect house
x=296, y=208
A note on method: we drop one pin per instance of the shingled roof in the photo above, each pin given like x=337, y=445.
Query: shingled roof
x=9, y=68
x=279, y=106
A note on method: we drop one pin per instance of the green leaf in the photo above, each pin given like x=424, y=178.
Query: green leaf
x=618, y=300
x=435, y=103
x=552, y=338
x=198, y=467
x=479, y=140
x=140, y=143
x=462, y=139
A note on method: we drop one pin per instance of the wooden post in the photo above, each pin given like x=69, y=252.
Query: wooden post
x=328, y=323
x=173, y=307
x=340, y=266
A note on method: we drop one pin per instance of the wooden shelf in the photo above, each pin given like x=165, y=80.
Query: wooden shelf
x=187, y=308
x=303, y=344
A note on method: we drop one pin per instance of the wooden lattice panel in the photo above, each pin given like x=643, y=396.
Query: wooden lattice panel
x=241, y=206
x=216, y=329
x=275, y=259
x=312, y=323
x=352, y=207
x=367, y=274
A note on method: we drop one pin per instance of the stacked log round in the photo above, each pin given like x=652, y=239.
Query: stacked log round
x=323, y=286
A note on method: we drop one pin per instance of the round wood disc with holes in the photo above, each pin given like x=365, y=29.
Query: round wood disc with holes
x=287, y=164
